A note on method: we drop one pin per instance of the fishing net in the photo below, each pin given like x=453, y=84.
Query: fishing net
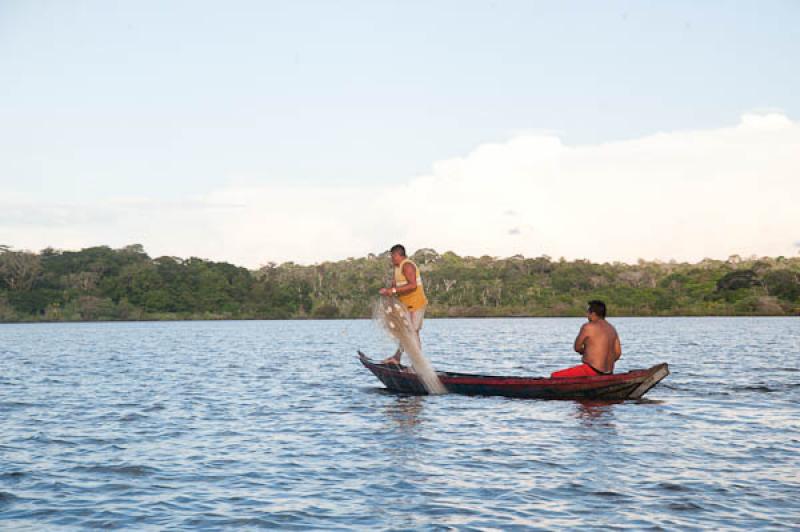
x=395, y=319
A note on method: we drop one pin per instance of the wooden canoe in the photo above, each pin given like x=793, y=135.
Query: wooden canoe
x=631, y=385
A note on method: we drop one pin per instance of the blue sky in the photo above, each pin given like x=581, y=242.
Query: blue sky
x=171, y=101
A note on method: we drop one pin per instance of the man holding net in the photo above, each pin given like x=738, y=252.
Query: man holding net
x=407, y=286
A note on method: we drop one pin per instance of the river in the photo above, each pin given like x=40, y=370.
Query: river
x=275, y=424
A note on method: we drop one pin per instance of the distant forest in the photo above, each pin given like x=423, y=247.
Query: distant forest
x=100, y=283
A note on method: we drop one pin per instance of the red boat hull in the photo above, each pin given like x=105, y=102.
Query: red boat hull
x=631, y=385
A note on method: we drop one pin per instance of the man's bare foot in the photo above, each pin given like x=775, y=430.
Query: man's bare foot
x=394, y=359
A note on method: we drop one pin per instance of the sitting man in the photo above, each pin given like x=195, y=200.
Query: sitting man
x=598, y=343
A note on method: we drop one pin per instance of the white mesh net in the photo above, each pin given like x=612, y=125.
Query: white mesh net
x=396, y=320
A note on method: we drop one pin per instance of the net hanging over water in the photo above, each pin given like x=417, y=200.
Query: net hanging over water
x=395, y=319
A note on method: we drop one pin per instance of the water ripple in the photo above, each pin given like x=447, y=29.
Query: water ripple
x=274, y=425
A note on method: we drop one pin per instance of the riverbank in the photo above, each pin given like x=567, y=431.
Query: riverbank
x=104, y=284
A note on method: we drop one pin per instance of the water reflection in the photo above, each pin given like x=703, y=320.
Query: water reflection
x=401, y=439
x=405, y=412
x=595, y=413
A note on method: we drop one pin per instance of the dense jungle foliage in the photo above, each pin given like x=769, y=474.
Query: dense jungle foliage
x=101, y=283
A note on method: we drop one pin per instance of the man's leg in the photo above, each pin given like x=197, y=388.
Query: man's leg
x=577, y=371
x=417, y=317
x=395, y=358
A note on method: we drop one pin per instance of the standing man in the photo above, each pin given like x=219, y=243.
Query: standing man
x=598, y=343
x=407, y=286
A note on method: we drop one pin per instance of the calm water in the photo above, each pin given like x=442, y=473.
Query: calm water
x=276, y=425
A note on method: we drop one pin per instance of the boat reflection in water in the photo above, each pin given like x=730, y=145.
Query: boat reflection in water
x=595, y=410
x=405, y=412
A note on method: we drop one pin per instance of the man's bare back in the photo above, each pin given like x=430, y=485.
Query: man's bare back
x=599, y=344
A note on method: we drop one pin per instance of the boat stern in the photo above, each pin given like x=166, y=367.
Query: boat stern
x=656, y=375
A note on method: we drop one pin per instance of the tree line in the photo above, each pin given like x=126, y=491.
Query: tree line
x=101, y=283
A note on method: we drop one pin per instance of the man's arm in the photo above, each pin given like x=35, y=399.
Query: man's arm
x=580, y=341
x=617, y=349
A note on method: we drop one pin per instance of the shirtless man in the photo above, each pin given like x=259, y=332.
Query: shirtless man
x=598, y=343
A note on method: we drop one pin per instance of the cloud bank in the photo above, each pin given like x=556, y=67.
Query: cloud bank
x=680, y=195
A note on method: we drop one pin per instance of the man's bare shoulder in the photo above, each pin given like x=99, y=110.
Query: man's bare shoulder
x=589, y=327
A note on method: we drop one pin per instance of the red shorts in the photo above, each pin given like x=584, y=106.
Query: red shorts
x=584, y=370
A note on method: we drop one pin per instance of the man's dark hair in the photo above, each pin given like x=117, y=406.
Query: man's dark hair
x=598, y=307
x=400, y=248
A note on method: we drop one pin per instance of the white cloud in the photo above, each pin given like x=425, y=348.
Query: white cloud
x=683, y=195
